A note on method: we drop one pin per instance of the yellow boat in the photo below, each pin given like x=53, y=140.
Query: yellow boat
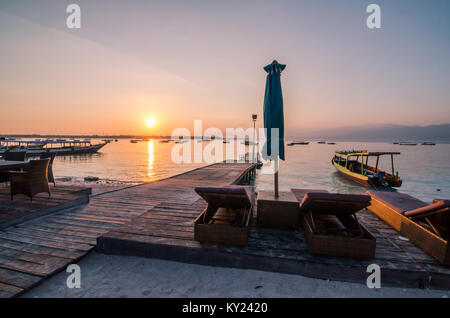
x=354, y=165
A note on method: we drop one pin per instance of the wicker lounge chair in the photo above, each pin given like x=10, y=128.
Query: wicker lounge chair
x=227, y=216
x=330, y=224
x=427, y=225
x=52, y=156
x=343, y=206
x=32, y=181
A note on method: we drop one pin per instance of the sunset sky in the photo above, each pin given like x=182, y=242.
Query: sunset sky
x=177, y=61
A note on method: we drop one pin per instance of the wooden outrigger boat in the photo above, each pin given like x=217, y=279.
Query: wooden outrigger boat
x=354, y=165
x=60, y=147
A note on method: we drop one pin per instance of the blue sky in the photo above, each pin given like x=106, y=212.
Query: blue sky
x=183, y=60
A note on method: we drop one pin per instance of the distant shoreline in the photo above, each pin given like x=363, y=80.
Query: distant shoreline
x=287, y=138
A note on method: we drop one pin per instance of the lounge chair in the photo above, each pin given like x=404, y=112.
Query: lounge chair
x=52, y=156
x=227, y=217
x=32, y=181
x=427, y=225
x=343, y=206
x=330, y=224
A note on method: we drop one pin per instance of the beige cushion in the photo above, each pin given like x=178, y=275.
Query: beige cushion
x=334, y=203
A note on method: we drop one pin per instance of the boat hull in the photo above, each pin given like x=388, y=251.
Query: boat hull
x=363, y=180
x=61, y=151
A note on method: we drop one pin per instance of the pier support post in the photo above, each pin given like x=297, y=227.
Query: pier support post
x=276, y=177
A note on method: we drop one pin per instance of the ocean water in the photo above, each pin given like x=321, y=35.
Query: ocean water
x=123, y=162
x=425, y=170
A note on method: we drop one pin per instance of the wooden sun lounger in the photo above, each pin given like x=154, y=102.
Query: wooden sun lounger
x=331, y=226
x=226, y=219
x=427, y=225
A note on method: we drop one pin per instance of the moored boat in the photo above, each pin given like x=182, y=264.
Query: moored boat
x=355, y=166
x=428, y=143
x=407, y=144
x=299, y=143
x=60, y=147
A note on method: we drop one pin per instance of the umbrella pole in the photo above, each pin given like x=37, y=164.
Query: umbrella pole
x=276, y=177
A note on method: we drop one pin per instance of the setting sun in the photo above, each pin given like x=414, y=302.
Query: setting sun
x=151, y=122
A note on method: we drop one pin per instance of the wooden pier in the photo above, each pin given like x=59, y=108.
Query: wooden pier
x=156, y=220
x=37, y=249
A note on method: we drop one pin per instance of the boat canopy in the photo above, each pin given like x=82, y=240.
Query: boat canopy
x=44, y=142
x=365, y=153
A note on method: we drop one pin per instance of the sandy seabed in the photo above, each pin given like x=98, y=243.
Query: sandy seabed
x=123, y=276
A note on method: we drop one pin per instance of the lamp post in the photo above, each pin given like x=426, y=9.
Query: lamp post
x=254, y=117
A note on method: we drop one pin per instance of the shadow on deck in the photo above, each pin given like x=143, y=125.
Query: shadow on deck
x=21, y=209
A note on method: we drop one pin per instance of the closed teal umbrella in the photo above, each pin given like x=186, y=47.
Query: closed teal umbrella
x=273, y=113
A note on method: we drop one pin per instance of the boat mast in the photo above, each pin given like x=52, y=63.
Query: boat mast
x=392, y=161
x=362, y=164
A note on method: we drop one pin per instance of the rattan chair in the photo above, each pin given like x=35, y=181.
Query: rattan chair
x=52, y=156
x=15, y=155
x=32, y=181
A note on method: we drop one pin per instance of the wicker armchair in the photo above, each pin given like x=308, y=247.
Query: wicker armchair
x=32, y=181
x=4, y=177
x=52, y=156
x=15, y=155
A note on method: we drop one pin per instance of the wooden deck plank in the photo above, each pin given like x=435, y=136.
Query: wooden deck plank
x=18, y=279
x=7, y=291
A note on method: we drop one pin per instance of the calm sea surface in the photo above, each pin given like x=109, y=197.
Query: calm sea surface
x=425, y=170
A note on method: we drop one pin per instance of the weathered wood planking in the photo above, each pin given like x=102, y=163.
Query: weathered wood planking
x=22, y=209
x=166, y=232
x=33, y=250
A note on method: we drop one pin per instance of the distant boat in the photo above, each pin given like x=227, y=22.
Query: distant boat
x=322, y=142
x=164, y=141
x=348, y=163
x=331, y=143
x=395, y=142
x=428, y=143
x=134, y=141
x=407, y=144
x=299, y=143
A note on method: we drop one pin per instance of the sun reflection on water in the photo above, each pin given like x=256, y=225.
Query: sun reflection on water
x=151, y=160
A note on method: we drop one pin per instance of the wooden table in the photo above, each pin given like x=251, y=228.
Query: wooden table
x=11, y=164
